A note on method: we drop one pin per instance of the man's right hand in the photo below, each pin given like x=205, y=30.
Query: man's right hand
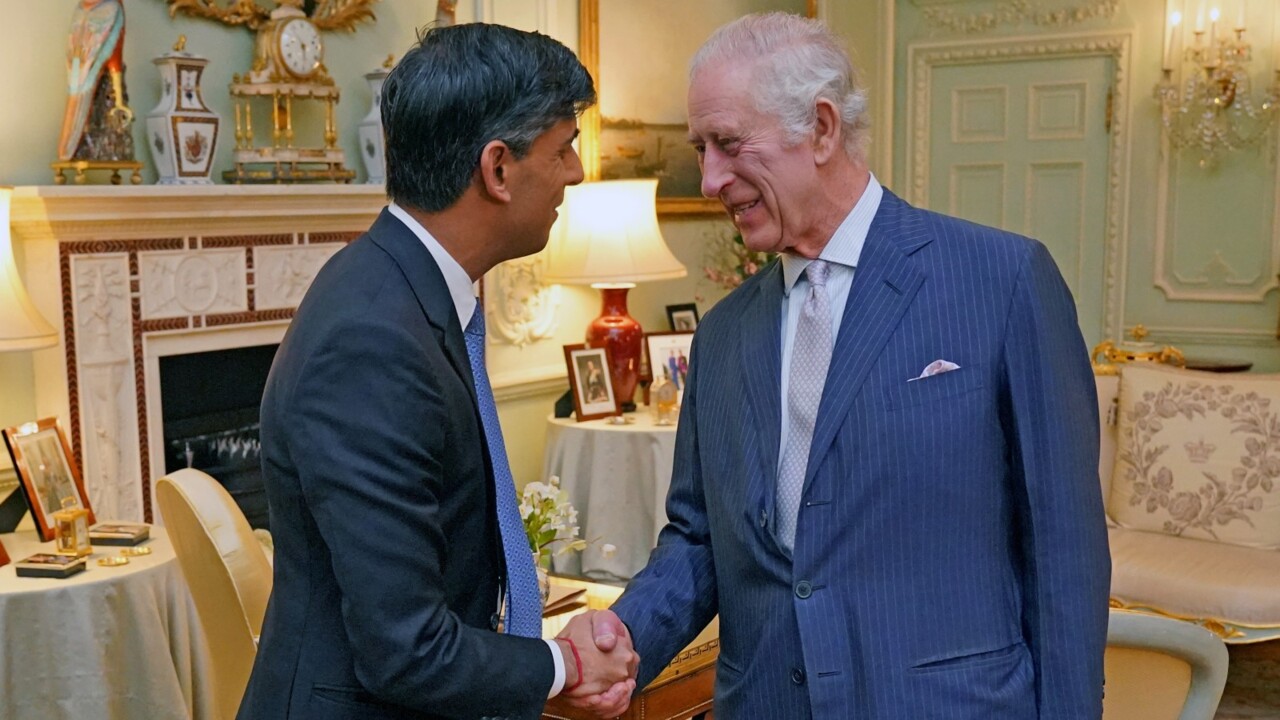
x=609, y=663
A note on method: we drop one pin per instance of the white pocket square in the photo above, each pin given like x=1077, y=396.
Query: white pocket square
x=937, y=367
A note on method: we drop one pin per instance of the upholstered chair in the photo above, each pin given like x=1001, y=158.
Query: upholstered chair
x=227, y=571
x=1158, y=668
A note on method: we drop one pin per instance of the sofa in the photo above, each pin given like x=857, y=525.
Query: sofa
x=1190, y=540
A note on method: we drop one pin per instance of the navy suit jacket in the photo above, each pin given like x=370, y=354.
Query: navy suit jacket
x=387, y=557
x=950, y=558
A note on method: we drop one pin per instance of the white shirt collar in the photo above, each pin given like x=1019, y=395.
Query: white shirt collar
x=459, y=283
x=845, y=246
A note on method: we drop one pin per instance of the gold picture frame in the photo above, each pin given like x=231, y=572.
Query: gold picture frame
x=47, y=471
x=590, y=124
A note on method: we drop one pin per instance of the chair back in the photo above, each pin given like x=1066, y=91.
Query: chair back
x=1158, y=668
x=227, y=570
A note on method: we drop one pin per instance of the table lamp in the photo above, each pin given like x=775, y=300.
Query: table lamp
x=608, y=237
x=21, y=325
x=21, y=328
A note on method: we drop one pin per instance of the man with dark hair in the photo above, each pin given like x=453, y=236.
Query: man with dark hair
x=399, y=549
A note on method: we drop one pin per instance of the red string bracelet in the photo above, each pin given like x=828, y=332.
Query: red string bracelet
x=577, y=663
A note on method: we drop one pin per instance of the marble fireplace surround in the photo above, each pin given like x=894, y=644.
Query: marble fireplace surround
x=133, y=274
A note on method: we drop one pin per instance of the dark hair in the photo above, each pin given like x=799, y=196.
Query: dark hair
x=463, y=86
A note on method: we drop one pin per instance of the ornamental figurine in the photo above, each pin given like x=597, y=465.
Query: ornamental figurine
x=96, y=127
x=288, y=67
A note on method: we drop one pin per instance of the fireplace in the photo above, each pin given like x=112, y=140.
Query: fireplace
x=135, y=276
x=210, y=402
x=143, y=278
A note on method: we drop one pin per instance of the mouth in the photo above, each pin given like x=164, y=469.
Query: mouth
x=737, y=211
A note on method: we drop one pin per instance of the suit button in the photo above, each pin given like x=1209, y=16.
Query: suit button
x=493, y=621
x=804, y=589
x=797, y=676
x=764, y=519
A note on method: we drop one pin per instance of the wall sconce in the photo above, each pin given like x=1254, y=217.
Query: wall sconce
x=608, y=237
x=1205, y=93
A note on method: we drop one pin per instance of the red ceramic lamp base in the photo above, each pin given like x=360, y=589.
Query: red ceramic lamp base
x=624, y=337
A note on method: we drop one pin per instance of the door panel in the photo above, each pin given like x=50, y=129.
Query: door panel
x=1023, y=145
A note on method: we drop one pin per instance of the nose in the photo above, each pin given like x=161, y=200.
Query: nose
x=574, y=167
x=717, y=171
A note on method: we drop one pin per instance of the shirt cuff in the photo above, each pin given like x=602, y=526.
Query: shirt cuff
x=557, y=657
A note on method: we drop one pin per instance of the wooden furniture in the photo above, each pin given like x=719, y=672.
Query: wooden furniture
x=1219, y=365
x=683, y=690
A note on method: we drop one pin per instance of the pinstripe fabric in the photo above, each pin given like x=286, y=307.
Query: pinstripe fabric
x=950, y=558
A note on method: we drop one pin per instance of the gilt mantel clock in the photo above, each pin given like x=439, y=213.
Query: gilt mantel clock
x=288, y=68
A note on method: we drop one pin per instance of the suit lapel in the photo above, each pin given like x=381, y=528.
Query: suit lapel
x=428, y=285
x=761, y=350
x=884, y=284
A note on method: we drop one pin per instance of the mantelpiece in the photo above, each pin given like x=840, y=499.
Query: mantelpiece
x=131, y=274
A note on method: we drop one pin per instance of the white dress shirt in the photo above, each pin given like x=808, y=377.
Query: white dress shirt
x=464, y=302
x=842, y=252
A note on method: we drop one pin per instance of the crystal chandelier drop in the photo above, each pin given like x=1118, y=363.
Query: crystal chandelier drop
x=1213, y=108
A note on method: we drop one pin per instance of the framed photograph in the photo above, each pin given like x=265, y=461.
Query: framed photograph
x=668, y=354
x=638, y=53
x=590, y=382
x=46, y=471
x=682, y=318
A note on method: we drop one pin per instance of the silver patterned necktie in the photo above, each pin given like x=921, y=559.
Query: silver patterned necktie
x=524, y=601
x=810, y=358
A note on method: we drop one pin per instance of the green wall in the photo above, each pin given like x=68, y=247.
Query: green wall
x=1197, y=263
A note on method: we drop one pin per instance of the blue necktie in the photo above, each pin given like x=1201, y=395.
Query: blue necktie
x=524, y=601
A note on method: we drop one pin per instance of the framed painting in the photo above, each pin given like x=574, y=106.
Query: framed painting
x=590, y=382
x=639, y=55
x=46, y=471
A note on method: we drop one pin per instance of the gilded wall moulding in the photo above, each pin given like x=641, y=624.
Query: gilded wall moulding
x=522, y=308
x=1019, y=12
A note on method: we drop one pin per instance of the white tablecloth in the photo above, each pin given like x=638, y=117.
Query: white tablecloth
x=617, y=477
x=110, y=642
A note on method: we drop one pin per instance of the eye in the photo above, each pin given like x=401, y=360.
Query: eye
x=700, y=148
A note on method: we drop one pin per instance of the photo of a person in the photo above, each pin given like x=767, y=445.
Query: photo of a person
x=43, y=459
x=684, y=322
x=669, y=355
x=590, y=383
x=594, y=381
x=49, y=472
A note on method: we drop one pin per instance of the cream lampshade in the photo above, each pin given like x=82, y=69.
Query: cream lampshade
x=21, y=325
x=608, y=237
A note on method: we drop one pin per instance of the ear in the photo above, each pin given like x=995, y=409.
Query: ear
x=495, y=170
x=827, y=132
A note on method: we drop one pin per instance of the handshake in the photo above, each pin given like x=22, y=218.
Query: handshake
x=600, y=663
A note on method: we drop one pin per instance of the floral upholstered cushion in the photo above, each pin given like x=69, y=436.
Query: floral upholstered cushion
x=1198, y=455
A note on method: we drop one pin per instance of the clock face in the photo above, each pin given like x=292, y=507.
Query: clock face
x=300, y=48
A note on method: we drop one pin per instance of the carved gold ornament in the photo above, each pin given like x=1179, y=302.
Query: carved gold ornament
x=328, y=14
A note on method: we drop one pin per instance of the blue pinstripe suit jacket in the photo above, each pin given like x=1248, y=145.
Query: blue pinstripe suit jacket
x=951, y=555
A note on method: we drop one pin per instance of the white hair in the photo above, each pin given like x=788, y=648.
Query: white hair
x=797, y=61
